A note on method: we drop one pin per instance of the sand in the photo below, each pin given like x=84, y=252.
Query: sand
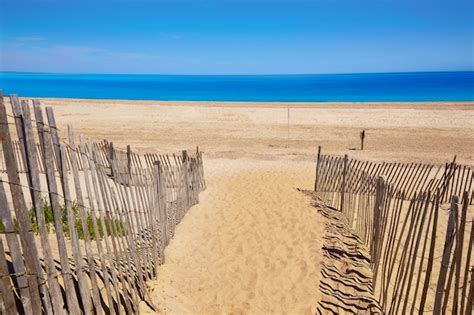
x=397, y=132
x=253, y=243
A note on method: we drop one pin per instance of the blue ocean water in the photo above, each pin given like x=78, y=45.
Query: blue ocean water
x=415, y=86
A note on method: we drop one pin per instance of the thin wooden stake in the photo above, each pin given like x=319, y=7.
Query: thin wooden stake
x=448, y=244
x=30, y=252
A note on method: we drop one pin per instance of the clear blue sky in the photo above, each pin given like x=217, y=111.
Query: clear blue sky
x=236, y=37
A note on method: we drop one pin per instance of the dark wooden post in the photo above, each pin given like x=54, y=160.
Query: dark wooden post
x=8, y=298
x=343, y=187
x=470, y=297
x=429, y=266
x=110, y=156
x=34, y=180
x=186, y=179
x=162, y=211
x=458, y=254
x=377, y=216
x=317, y=169
x=129, y=160
x=30, y=251
x=362, y=137
x=55, y=137
x=448, y=245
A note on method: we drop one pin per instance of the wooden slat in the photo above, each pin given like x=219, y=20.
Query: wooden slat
x=16, y=110
x=448, y=244
x=30, y=252
x=45, y=136
x=15, y=251
x=459, y=253
x=464, y=298
x=83, y=218
x=36, y=197
x=7, y=305
x=84, y=290
x=120, y=245
x=93, y=200
x=54, y=137
x=100, y=209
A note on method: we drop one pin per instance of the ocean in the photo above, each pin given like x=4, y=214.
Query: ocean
x=385, y=87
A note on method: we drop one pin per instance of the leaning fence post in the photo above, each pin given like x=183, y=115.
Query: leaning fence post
x=376, y=237
x=8, y=298
x=343, y=186
x=458, y=253
x=30, y=251
x=110, y=157
x=317, y=169
x=162, y=213
x=129, y=160
x=448, y=244
x=186, y=178
x=470, y=296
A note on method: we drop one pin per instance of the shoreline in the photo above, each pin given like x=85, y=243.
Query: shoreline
x=428, y=105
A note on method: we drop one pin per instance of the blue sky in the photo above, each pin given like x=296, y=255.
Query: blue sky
x=236, y=37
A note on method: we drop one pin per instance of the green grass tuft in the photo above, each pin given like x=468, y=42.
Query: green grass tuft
x=114, y=227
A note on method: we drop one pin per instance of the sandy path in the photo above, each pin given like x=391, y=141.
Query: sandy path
x=251, y=245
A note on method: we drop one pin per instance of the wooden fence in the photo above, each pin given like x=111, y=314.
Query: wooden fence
x=417, y=223
x=83, y=226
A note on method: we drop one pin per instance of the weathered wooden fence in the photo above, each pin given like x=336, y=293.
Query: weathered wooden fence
x=83, y=226
x=417, y=223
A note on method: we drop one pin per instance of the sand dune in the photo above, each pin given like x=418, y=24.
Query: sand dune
x=251, y=246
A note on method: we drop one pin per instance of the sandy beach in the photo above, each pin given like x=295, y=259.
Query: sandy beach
x=252, y=244
x=431, y=132
x=237, y=157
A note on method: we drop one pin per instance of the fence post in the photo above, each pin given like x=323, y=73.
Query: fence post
x=362, y=138
x=30, y=252
x=448, y=244
x=186, y=175
x=376, y=237
x=8, y=298
x=470, y=296
x=317, y=169
x=343, y=186
x=110, y=157
x=162, y=213
x=202, y=181
x=458, y=253
x=16, y=110
x=129, y=161
x=54, y=136
x=194, y=196
x=37, y=203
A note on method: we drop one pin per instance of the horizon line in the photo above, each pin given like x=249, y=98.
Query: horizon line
x=234, y=74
